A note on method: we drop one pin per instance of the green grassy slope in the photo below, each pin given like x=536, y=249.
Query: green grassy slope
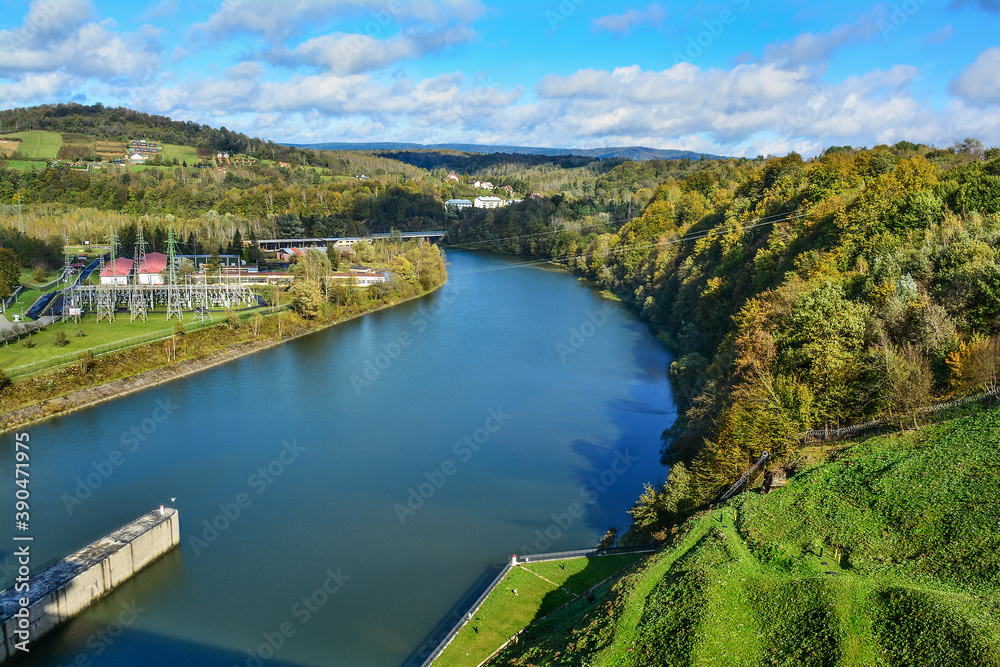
x=38, y=143
x=541, y=588
x=888, y=555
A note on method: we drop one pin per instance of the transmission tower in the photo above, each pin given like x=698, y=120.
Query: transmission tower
x=174, y=306
x=107, y=299
x=69, y=301
x=137, y=297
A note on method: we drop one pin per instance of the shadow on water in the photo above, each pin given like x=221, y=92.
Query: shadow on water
x=454, y=615
x=614, y=472
x=109, y=628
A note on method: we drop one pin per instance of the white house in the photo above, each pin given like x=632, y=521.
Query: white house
x=488, y=202
x=483, y=185
x=458, y=203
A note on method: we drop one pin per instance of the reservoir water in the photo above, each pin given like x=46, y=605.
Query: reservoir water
x=341, y=493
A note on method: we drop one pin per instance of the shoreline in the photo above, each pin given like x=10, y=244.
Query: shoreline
x=86, y=397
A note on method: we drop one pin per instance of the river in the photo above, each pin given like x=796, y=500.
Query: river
x=392, y=459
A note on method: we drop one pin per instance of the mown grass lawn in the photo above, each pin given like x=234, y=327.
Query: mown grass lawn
x=25, y=165
x=96, y=333
x=541, y=589
x=180, y=153
x=38, y=143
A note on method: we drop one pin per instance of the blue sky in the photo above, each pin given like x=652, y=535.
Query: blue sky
x=735, y=77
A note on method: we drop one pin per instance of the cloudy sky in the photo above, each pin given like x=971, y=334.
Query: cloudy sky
x=735, y=77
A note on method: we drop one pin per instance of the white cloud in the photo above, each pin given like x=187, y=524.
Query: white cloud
x=979, y=84
x=754, y=108
x=353, y=54
x=943, y=34
x=809, y=48
x=48, y=85
x=60, y=36
x=278, y=21
x=622, y=24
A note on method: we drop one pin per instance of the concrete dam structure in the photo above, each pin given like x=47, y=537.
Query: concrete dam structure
x=60, y=592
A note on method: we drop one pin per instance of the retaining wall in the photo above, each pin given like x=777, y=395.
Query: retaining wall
x=63, y=590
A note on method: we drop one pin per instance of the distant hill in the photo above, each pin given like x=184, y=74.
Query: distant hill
x=637, y=153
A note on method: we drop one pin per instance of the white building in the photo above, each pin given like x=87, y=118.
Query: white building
x=150, y=272
x=488, y=202
x=458, y=203
x=483, y=185
x=118, y=272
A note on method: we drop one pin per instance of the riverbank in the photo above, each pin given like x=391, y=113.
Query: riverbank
x=64, y=402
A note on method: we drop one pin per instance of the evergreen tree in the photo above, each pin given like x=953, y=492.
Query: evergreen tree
x=236, y=245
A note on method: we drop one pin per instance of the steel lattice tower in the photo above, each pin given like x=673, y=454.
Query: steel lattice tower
x=107, y=300
x=69, y=300
x=174, y=302
x=137, y=297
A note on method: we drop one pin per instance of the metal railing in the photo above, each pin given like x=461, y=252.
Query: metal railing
x=520, y=560
x=746, y=476
x=848, y=431
x=436, y=653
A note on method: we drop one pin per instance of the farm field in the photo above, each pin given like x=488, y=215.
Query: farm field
x=884, y=555
x=180, y=153
x=39, y=144
x=25, y=165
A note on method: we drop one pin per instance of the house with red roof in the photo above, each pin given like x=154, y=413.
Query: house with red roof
x=150, y=272
x=117, y=272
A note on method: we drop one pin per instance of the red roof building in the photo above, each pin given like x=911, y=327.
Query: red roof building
x=150, y=270
x=117, y=272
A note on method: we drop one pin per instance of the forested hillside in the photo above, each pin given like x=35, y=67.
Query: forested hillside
x=797, y=294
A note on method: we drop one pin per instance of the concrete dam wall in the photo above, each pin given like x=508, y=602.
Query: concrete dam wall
x=63, y=590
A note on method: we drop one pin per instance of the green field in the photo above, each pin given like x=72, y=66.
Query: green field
x=95, y=334
x=181, y=153
x=38, y=143
x=541, y=589
x=887, y=556
x=24, y=165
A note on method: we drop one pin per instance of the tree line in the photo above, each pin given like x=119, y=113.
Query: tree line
x=797, y=294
